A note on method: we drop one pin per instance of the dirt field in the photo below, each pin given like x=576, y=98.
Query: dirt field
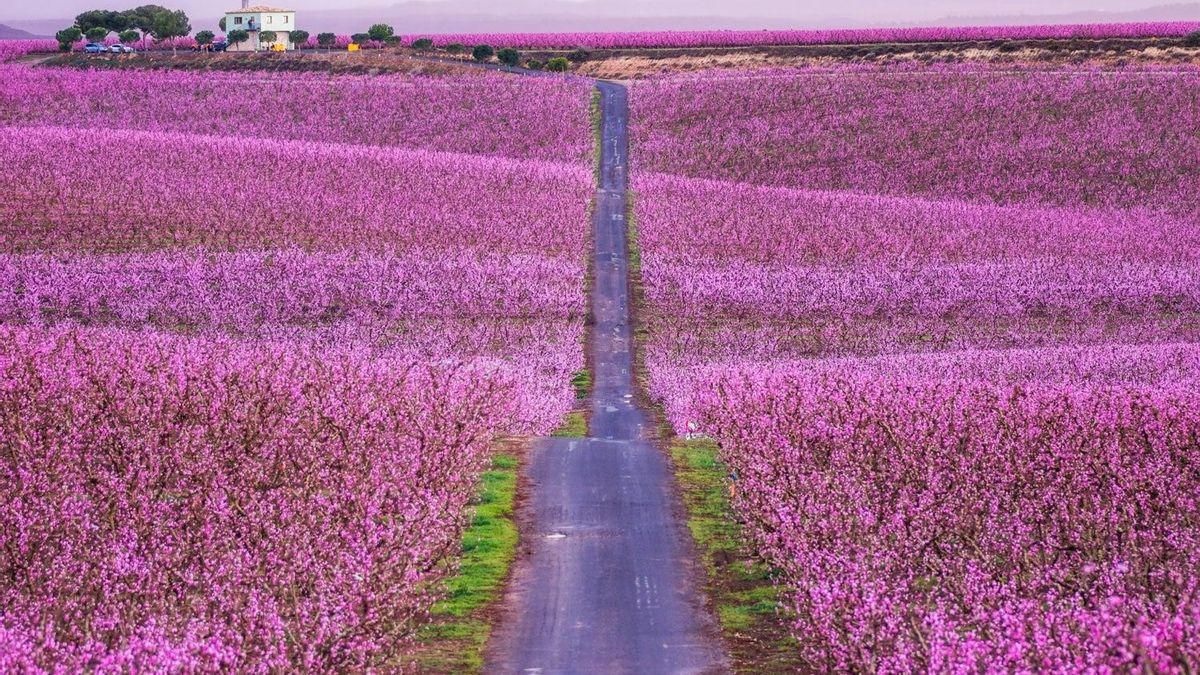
x=633, y=64
x=629, y=64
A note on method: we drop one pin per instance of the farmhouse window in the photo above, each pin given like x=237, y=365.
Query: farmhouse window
x=237, y=19
x=285, y=19
x=270, y=19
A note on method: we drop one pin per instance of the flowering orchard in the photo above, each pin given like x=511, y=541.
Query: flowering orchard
x=197, y=504
x=825, y=274
x=254, y=354
x=480, y=114
x=747, y=38
x=270, y=193
x=955, y=379
x=946, y=525
x=14, y=49
x=905, y=131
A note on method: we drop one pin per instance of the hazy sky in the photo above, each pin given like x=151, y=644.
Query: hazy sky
x=802, y=12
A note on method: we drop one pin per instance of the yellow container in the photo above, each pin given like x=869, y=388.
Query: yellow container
x=278, y=47
x=352, y=47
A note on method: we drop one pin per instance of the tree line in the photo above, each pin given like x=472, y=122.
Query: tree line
x=130, y=25
x=133, y=25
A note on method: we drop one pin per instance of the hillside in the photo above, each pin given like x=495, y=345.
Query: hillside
x=10, y=33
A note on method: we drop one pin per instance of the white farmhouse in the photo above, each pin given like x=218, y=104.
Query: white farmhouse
x=255, y=20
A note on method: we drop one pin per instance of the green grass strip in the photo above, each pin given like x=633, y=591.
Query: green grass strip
x=455, y=639
x=597, y=134
x=574, y=426
x=740, y=585
x=631, y=236
x=582, y=381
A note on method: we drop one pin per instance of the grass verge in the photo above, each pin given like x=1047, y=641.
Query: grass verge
x=575, y=426
x=631, y=238
x=582, y=381
x=454, y=639
x=597, y=135
x=740, y=585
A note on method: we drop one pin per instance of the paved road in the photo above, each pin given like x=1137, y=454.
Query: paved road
x=607, y=584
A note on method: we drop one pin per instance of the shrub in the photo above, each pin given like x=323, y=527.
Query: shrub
x=509, y=56
x=1192, y=40
x=579, y=55
x=422, y=44
x=455, y=48
x=533, y=64
x=558, y=64
x=482, y=52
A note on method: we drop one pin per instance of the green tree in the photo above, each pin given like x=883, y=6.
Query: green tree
x=93, y=18
x=142, y=18
x=128, y=36
x=298, y=37
x=266, y=38
x=68, y=37
x=1192, y=40
x=221, y=24
x=455, y=48
x=204, y=37
x=380, y=32
x=533, y=64
x=114, y=22
x=558, y=64
x=326, y=40
x=170, y=25
x=237, y=36
x=117, y=21
x=96, y=34
x=509, y=56
x=422, y=44
x=360, y=38
x=482, y=52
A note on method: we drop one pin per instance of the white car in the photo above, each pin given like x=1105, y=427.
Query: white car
x=122, y=49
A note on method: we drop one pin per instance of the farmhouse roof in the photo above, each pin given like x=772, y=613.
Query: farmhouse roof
x=257, y=9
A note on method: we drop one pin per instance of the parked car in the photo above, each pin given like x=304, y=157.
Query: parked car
x=95, y=48
x=122, y=49
x=220, y=46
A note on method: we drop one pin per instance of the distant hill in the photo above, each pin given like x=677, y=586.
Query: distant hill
x=10, y=33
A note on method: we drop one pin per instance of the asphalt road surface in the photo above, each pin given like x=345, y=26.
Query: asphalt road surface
x=608, y=582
